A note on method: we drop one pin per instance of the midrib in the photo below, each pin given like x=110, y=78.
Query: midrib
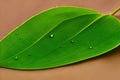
x=86, y=27
x=54, y=29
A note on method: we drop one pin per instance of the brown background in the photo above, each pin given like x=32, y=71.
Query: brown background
x=106, y=67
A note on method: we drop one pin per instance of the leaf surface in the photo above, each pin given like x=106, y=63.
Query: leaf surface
x=58, y=37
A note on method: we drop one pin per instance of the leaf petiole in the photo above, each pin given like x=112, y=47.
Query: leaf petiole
x=114, y=12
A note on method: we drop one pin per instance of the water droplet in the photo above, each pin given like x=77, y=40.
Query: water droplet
x=72, y=41
x=90, y=47
x=29, y=54
x=51, y=36
x=16, y=58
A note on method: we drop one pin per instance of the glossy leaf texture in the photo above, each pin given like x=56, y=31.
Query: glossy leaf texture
x=59, y=36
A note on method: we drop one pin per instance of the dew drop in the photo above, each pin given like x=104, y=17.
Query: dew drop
x=51, y=36
x=72, y=41
x=29, y=54
x=16, y=57
x=90, y=47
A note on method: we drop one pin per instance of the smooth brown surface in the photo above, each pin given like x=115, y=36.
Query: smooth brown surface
x=106, y=67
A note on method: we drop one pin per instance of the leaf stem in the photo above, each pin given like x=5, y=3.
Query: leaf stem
x=115, y=11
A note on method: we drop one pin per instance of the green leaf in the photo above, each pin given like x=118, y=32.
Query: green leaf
x=59, y=36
